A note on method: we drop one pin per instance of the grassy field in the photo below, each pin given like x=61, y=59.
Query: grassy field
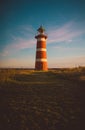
x=36, y=100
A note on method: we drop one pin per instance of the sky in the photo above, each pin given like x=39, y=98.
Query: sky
x=64, y=22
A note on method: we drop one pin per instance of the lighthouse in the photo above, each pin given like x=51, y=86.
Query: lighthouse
x=41, y=56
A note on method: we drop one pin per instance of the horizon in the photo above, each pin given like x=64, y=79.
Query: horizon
x=64, y=22
x=75, y=67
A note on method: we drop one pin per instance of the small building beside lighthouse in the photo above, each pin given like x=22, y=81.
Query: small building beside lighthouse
x=41, y=55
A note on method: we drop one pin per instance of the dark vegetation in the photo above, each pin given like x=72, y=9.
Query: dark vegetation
x=32, y=100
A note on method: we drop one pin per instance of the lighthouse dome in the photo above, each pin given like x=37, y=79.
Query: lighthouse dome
x=41, y=29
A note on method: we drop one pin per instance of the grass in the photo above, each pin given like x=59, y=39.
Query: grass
x=36, y=100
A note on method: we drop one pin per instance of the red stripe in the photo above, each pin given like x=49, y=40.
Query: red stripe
x=41, y=54
x=41, y=66
x=41, y=44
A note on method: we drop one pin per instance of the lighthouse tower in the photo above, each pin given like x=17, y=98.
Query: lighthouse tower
x=41, y=57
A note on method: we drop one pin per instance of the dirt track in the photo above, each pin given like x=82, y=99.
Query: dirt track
x=52, y=100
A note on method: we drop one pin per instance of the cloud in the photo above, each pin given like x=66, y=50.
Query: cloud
x=54, y=62
x=17, y=62
x=5, y=53
x=67, y=62
x=20, y=44
x=21, y=37
x=65, y=33
x=22, y=31
x=61, y=48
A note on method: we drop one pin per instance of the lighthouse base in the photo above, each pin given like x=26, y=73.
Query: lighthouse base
x=41, y=66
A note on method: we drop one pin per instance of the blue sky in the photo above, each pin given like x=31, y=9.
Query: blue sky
x=64, y=21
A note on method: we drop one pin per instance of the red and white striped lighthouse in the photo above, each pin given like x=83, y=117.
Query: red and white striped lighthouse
x=41, y=56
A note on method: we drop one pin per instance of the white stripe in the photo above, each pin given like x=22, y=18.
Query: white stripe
x=42, y=59
x=41, y=39
x=41, y=49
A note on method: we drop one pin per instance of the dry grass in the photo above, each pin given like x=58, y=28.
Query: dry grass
x=36, y=100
